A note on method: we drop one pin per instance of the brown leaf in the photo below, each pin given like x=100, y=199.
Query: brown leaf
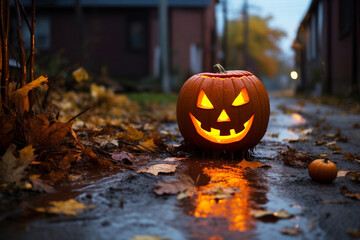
x=290, y=140
x=354, y=233
x=123, y=157
x=20, y=97
x=251, y=164
x=43, y=133
x=41, y=186
x=353, y=195
x=11, y=167
x=270, y=216
x=291, y=231
x=220, y=192
x=295, y=158
x=354, y=176
x=159, y=168
x=184, y=183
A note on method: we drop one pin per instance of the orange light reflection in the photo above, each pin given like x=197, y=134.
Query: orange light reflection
x=236, y=209
x=297, y=118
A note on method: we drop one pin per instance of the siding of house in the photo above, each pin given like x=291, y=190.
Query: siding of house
x=327, y=50
x=106, y=28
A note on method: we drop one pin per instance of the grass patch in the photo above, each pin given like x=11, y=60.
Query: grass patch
x=144, y=99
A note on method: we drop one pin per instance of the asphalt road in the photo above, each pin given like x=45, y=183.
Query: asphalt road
x=126, y=205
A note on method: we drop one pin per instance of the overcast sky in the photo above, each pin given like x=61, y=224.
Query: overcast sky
x=287, y=15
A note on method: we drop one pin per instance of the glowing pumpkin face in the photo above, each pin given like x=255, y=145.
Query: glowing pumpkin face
x=225, y=111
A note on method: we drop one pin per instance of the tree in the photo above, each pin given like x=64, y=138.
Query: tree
x=263, y=50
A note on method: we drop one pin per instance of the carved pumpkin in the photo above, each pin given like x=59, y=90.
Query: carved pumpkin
x=322, y=170
x=224, y=111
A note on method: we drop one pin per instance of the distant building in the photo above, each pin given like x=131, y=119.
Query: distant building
x=122, y=35
x=327, y=48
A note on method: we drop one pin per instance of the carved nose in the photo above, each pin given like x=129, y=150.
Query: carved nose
x=223, y=117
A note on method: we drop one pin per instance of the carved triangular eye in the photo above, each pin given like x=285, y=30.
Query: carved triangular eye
x=203, y=101
x=241, y=99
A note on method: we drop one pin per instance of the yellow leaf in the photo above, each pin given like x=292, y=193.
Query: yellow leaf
x=26, y=153
x=131, y=134
x=80, y=74
x=147, y=146
x=20, y=97
x=69, y=207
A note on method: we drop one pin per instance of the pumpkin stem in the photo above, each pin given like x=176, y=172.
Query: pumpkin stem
x=325, y=160
x=219, y=68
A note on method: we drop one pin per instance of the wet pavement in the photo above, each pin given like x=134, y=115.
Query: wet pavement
x=126, y=204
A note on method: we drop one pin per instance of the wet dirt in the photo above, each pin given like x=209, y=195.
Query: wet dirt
x=126, y=204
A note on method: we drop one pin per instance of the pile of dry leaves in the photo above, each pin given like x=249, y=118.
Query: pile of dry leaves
x=53, y=135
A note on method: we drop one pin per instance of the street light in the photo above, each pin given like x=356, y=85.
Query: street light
x=294, y=75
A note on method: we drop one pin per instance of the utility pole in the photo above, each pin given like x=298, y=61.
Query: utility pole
x=246, y=34
x=225, y=34
x=163, y=42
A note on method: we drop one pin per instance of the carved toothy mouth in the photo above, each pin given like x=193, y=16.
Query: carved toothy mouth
x=214, y=134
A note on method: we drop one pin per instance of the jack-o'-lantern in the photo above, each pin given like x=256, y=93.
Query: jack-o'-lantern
x=227, y=110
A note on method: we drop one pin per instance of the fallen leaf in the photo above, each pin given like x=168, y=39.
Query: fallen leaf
x=351, y=156
x=342, y=173
x=148, y=237
x=320, y=141
x=80, y=74
x=174, y=159
x=11, y=167
x=131, y=134
x=307, y=131
x=147, y=146
x=44, y=133
x=295, y=158
x=69, y=207
x=41, y=186
x=20, y=97
x=354, y=176
x=291, y=140
x=291, y=231
x=353, y=195
x=335, y=201
x=159, y=168
x=273, y=135
x=270, y=216
x=183, y=184
x=251, y=164
x=123, y=157
x=220, y=192
x=354, y=233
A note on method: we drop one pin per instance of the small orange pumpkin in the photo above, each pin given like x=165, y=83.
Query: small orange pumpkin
x=227, y=110
x=322, y=170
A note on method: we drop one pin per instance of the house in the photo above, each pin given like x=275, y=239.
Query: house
x=122, y=35
x=327, y=48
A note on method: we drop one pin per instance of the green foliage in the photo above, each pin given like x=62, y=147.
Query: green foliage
x=263, y=49
x=145, y=99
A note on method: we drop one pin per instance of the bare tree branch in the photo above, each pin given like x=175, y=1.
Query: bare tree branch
x=32, y=42
x=21, y=46
x=4, y=32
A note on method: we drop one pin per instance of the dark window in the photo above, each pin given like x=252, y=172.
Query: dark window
x=136, y=35
x=345, y=17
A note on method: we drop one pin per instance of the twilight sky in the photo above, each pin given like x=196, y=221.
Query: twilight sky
x=287, y=15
